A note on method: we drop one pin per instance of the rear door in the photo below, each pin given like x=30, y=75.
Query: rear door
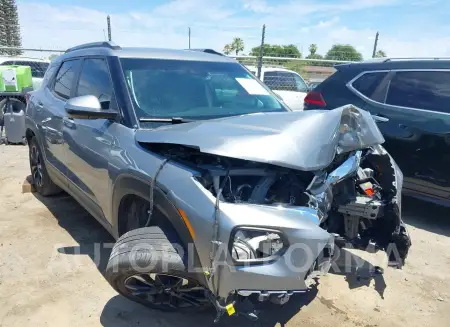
x=89, y=141
x=288, y=85
x=416, y=104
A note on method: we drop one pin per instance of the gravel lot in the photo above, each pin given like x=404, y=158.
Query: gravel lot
x=49, y=275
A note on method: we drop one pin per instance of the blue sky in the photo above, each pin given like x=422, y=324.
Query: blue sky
x=407, y=28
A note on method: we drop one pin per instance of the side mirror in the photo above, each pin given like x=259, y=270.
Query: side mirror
x=88, y=107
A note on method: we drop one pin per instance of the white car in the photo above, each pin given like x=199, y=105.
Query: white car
x=289, y=85
x=38, y=67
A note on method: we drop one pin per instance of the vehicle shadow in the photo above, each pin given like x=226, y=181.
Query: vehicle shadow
x=94, y=241
x=358, y=272
x=427, y=216
x=120, y=311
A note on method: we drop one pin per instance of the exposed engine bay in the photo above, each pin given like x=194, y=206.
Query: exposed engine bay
x=360, y=208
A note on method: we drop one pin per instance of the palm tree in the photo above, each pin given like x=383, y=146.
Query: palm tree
x=380, y=54
x=227, y=49
x=237, y=45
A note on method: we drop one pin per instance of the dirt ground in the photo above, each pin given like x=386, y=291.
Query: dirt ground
x=49, y=275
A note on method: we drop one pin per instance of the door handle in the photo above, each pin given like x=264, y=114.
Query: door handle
x=39, y=106
x=380, y=118
x=68, y=122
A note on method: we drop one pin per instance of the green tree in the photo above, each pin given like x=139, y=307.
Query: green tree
x=237, y=45
x=10, y=36
x=227, y=49
x=2, y=27
x=275, y=50
x=312, y=49
x=380, y=54
x=343, y=52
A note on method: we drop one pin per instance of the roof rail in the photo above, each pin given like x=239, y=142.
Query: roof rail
x=211, y=51
x=102, y=44
x=417, y=58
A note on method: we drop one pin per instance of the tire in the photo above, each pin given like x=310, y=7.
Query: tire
x=146, y=252
x=39, y=175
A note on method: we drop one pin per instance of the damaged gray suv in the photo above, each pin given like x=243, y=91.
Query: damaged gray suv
x=217, y=192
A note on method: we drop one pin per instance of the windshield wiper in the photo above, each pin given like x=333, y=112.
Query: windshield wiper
x=172, y=120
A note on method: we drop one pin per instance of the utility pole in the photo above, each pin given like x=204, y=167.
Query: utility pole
x=189, y=35
x=261, y=50
x=375, y=45
x=108, y=22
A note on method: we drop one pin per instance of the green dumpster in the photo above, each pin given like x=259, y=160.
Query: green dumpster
x=14, y=78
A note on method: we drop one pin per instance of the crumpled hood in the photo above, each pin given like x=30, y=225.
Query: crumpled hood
x=306, y=140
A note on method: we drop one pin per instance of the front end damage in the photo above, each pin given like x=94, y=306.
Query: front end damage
x=268, y=221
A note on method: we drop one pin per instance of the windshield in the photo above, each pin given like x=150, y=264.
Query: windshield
x=195, y=90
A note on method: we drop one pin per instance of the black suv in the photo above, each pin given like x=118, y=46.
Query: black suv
x=410, y=98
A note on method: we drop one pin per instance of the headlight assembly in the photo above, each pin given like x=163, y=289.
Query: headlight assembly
x=256, y=245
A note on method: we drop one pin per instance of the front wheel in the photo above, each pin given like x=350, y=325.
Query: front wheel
x=145, y=267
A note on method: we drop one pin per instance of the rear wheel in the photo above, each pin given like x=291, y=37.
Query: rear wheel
x=145, y=267
x=39, y=175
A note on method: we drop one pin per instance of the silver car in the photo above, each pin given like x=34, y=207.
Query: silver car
x=215, y=191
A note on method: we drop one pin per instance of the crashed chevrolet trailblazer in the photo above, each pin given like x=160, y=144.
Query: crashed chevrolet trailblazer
x=216, y=191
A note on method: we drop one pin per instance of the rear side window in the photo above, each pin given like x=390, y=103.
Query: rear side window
x=49, y=74
x=95, y=80
x=370, y=86
x=284, y=81
x=65, y=78
x=271, y=80
x=429, y=90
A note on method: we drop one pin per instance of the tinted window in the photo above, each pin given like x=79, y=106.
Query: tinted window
x=94, y=80
x=284, y=81
x=271, y=80
x=66, y=77
x=369, y=83
x=195, y=90
x=422, y=90
x=38, y=69
x=300, y=84
x=49, y=74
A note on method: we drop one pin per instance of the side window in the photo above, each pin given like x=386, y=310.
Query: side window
x=49, y=74
x=7, y=63
x=429, y=90
x=287, y=81
x=271, y=80
x=64, y=81
x=37, y=68
x=370, y=86
x=95, y=80
x=300, y=84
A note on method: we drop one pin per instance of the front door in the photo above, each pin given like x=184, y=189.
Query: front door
x=89, y=141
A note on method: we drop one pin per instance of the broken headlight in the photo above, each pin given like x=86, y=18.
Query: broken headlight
x=256, y=245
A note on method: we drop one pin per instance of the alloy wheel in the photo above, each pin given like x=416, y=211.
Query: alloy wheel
x=171, y=292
